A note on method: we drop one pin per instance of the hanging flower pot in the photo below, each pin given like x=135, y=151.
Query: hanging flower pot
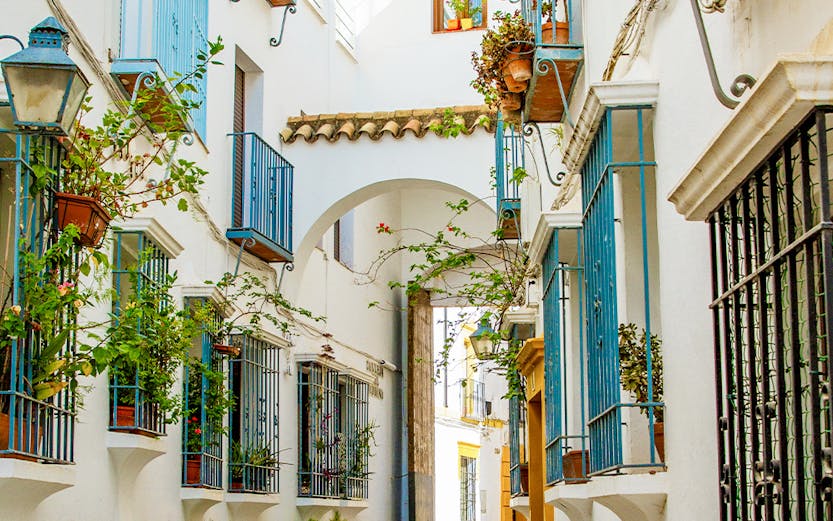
x=227, y=350
x=519, y=64
x=510, y=101
x=512, y=85
x=84, y=212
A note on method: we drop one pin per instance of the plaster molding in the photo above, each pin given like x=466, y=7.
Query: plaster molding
x=547, y=222
x=600, y=97
x=520, y=504
x=155, y=231
x=792, y=87
x=524, y=315
x=197, y=500
x=30, y=483
x=250, y=506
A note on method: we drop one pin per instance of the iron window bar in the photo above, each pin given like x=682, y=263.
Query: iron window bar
x=139, y=265
x=772, y=255
x=37, y=430
x=472, y=399
x=517, y=443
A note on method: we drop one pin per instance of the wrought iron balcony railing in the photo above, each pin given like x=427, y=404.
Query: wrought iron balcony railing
x=30, y=429
x=509, y=172
x=261, y=204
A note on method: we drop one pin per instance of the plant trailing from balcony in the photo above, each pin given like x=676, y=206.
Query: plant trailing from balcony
x=487, y=275
x=504, y=63
x=107, y=170
x=144, y=344
x=249, y=303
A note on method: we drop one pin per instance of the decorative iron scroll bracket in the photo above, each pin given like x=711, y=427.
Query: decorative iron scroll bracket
x=274, y=42
x=741, y=83
x=530, y=127
x=15, y=38
x=247, y=241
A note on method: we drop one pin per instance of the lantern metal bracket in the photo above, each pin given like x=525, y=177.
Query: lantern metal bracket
x=529, y=128
x=739, y=85
x=274, y=42
x=12, y=37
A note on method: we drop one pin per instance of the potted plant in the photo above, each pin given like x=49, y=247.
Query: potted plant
x=465, y=13
x=453, y=24
x=250, y=467
x=633, y=366
x=504, y=63
x=575, y=465
x=208, y=404
x=562, y=29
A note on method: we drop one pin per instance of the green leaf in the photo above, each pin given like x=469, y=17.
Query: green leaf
x=182, y=205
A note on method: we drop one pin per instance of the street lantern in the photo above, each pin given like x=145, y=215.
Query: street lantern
x=46, y=88
x=483, y=340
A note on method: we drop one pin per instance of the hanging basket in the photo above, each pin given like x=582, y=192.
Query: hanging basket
x=512, y=85
x=228, y=350
x=510, y=101
x=519, y=63
x=84, y=212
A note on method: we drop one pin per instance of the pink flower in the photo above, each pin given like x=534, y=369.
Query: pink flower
x=64, y=288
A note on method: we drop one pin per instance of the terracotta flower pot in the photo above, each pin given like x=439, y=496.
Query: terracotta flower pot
x=84, y=212
x=192, y=469
x=513, y=85
x=228, y=350
x=466, y=23
x=519, y=63
x=562, y=33
x=571, y=465
x=659, y=439
x=524, y=468
x=34, y=438
x=125, y=416
x=510, y=101
x=453, y=25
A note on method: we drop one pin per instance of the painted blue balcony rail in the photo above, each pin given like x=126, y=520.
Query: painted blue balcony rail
x=510, y=169
x=138, y=265
x=170, y=33
x=472, y=399
x=202, y=433
x=261, y=205
x=517, y=445
x=566, y=440
x=602, y=203
x=254, y=378
x=38, y=430
x=566, y=16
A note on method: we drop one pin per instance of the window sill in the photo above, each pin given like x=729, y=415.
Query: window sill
x=453, y=31
x=317, y=508
x=133, y=451
x=628, y=496
x=30, y=483
x=520, y=504
x=197, y=501
x=244, y=505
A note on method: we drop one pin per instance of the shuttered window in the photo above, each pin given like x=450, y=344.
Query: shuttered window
x=239, y=125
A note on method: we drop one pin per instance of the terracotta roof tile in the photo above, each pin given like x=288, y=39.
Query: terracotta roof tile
x=375, y=125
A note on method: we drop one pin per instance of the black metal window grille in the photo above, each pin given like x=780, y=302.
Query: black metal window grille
x=254, y=379
x=772, y=276
x=468, y=488
x=139, y=265
x=334, y=434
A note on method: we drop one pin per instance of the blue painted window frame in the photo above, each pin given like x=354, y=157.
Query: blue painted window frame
x=150, y=265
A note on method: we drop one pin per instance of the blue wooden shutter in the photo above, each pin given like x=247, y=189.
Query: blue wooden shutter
x=180, y=31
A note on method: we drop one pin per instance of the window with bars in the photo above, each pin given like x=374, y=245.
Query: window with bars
x=566, y=440
x=139, y=266
x=468, y=488
x=443, y=13
x=518, y=464
x=31, y=428
x=335, y=436
x=617, y=224
x=204, y=403
x=772, y=256
x=253, y=420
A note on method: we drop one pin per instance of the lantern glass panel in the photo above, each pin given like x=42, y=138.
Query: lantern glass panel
x=38, y=92
x=76, y=96
x=6, y=121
